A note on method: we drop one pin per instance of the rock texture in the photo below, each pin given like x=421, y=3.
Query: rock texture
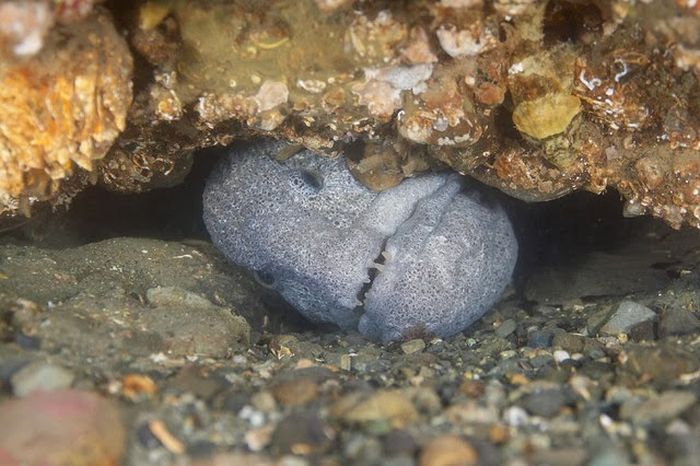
x=536, y=98
x=62, y=107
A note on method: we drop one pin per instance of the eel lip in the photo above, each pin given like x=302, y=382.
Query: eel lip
x=380, y=262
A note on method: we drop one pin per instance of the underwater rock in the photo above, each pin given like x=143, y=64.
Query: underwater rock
x=61, y=427
x=62, y=108
x=131, y=296
x=537, y=99
x=443, y=251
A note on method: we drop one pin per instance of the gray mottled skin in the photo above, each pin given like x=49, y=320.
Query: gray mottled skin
x=315, y=232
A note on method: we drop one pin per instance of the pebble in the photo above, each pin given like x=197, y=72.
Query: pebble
x=301, y=434
x=403, y=460
x=470, y=413
x=345, y=362
x=597, y=318
x=253, y=416
x=288, y=460
x=541, y=338
x=211, y=331
x=192, y=380
x=515, y=416
x=544, y=403
x=369, y=359
x=363, y=450
x=295, y=392
x=644, y=331
x=413, y=346
x=10, y=363
x=201, y=448
x=426, y=400
x=495, y=345
x=498, y=434
x=506, y=328
x=448, y=450
x=667, y=405
x=663, y=363
x=563, y=456
x=611, y=456
x=682, y=444
x=390, y=406
x=263, y=401
x=399, y=442
x=542, y=360
x=628, y=315
x=63, y=424
x=569, y=342
x=561, y=355
x=257, y=439
x=235, y=459
x=42, y=376
x=27, y=342
x=678, y=321
x=472, y=388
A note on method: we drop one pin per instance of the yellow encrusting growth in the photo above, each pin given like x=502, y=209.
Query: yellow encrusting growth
x=547, y=115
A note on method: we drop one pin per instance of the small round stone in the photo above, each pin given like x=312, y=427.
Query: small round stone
x=40, y=376
x=413, y=346
x=448, y=450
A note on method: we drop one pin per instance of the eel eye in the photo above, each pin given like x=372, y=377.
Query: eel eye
x=312, y=179
x=264, y=278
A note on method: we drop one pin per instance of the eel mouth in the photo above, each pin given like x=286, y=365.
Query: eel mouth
x=382, y=259
x=372, y=273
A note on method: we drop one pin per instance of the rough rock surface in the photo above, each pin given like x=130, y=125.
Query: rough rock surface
x=309, y=229
x=536, y=98
x=62, y=108
x=132, y=302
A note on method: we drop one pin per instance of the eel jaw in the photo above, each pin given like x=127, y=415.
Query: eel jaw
x=392, y=255
x=377, y=266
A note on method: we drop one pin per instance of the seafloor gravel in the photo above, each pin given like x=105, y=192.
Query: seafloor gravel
x=136, y=350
